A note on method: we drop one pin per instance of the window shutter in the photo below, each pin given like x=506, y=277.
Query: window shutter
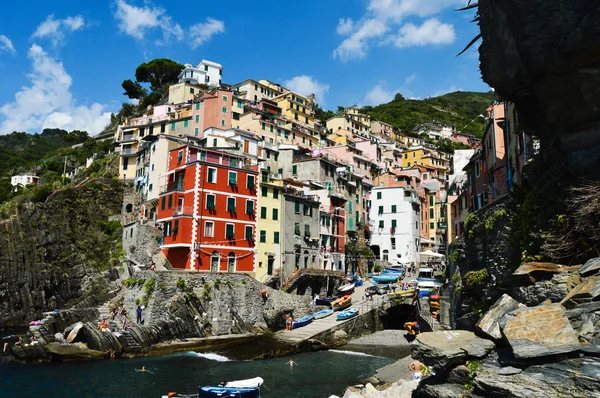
x=231, y=205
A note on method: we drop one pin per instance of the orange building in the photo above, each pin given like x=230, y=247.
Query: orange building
x=212, y=109
x=207, y=209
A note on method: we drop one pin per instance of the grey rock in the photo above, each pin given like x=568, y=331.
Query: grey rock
x=442, y=349
x=539, y=331
x=459, y=375
x=592, y=266
x=585, y=292
x=447, y=390
x=488, y=324
x=554, y=289
x=74, y=351
x=509, y=370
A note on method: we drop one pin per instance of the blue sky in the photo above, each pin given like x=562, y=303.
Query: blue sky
x=62, y=63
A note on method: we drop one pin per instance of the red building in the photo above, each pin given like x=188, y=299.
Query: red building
x=207, y=209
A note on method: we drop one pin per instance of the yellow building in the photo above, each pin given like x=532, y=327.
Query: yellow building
x=300, y=117
x=342, y=137
x=269, y=241
x=352, y=120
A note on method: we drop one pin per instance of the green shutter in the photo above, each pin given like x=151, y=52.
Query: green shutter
x=176, y=227
x=172, y=125
x=275, y=214
x=231, y=205
x=249, y=207
x=378, y=195
x=297, y=228
x=393, y=223
x=276, y=237
x=210, y=202
x=170, y=201
x=381, y=224
x=380, y=210
x=275, y=193
x=393, y=208
x=164, y=201
x=229, y=231
x=232, y=178
x=297, y=206
x=185, y=123
x=294, y=169
x=263, y=212
x=263, y=236
x=248, y=234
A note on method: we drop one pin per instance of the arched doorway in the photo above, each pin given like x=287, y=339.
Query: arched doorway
x=305, y=258
x=231, y=262
x=386, y=255
x=214, y=261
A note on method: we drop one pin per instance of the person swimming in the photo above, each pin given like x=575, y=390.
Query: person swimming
x=291, y=363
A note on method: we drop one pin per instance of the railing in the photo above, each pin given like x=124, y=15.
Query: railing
x=275, y=176
x=129, y=137
x=128, y=151
x=170, y=187
x=183, y=211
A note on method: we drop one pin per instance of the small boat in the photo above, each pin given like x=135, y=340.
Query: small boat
x=391, y=270
x=305, y=320
x=323, y=313
x=341, y=303
x=402, y=293
x=347, y=289
x=249, y=388
x=347, y=314
x=372, y=290
x=326, y=301
x=385, y=278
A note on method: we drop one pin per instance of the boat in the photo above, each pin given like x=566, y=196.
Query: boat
x=305, y=320
x=347, y=314
x=248, y=388
x=385, y=278
x=341, y=303
x=429, y=284
x=389, y=270
x=347, y=289
x=402, y=293
x=326, y=301
x=373, y=290
x=323, y=313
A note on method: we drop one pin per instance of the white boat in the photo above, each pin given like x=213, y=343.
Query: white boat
x=347, y=288
x=246, y=383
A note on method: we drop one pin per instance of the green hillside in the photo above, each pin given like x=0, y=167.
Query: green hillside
x=457, y=109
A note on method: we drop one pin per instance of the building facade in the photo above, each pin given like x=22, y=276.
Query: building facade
x=206, y=72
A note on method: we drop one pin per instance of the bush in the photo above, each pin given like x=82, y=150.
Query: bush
x=377, y=268
x=130, y=282
x=206, y=292
x=162, y=286
x=145, y=300
x=456, y=279
x=476, y=278
x=149, y=286
x=181, y=284
x=41, y=194
x=217, y=283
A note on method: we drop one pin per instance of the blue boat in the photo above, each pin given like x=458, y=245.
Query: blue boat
x=323, y=313
x=390, y=270
x=305, y=320
x=386, y=278
x=347, y=314
x=249, y=388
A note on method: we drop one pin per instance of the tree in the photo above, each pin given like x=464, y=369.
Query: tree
x=133, y=89
x=322, y=114
x=158, y=72
x=399, y=97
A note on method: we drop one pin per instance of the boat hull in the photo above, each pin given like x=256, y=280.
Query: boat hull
x=342, y=305
x=385, y=278
x=347, y=314
x=219, y=392
x=323, y=314
x=305, y=320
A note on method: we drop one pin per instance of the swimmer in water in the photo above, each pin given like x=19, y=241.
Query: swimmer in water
x=291, y=363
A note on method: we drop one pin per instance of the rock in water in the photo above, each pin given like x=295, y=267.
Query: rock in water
x=488, y=324
x=441, y=349
x=539, y=331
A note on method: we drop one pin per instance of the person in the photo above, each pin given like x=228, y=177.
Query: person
x=415, y=367
x=113, y=314
x=123, y=310
x=290, y=322
x=143, y=369
x=152, y=267
x=291, y=363
x=139, y=314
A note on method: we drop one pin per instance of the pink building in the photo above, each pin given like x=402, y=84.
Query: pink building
x=493, y=154
x=212, y=109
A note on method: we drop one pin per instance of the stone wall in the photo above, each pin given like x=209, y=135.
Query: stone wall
x=141, y=242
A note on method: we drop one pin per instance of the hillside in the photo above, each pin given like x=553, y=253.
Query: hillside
x=457, y=109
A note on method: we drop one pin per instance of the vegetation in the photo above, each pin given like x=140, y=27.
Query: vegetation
x=476, y=278
x=460, y=109
x=206, y=292
x=159, y=73
x=180, y=284
x=472, y=366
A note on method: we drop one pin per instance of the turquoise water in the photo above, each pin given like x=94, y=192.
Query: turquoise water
x=318, y=375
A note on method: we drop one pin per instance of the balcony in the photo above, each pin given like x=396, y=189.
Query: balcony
x=275, y=176
x=181, y=211
x=125, y=152
x=128, y=138
x=171, y=187
x=442, y=225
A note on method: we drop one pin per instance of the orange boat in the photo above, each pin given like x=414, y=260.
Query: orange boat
x=341, y=303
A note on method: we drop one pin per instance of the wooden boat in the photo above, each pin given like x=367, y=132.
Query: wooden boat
x=323, y=313
x=385, y=278
x=347, y=289
x=347, y=314
x=249, y=388
x=305, y=320
x=341, y=303
x=402, y=293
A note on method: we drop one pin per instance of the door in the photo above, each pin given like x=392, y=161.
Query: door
x=231, y=262
x=270, y=262
x=180, y=206
x=246, y=146
x=179, y=183
x=214, y=262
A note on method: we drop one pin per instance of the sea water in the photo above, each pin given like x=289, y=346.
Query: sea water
x=317, y=374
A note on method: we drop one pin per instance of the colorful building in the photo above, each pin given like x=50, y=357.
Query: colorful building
x=207, y=208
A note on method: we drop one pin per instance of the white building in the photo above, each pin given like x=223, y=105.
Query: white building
x=395, y=215
x=206, y=72
x=435, y=130
x=23, y=180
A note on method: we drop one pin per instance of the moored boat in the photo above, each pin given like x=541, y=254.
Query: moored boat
x=385, y=278
x=326, y=301
x=248, y=388
x=305, y=320
x=347, y=289
x=341, y=303
x=402, y=293
x=323, y=313
x=347, y=314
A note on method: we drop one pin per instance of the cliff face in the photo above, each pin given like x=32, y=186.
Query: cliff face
x=54, y=254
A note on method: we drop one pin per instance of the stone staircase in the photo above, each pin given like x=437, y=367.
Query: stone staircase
x=104, y=308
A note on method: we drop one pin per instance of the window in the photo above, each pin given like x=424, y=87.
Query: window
x=125, y=163
x=264, y=191
x=295, y=115
x=197, y=118
x=249, y=207
x=263, y=212
x=172, y=125
x=224, y=109
x=263, y=126
x=175, y=227
x=350, y=207
x=179, y=156
x=224, y=98
x=431, y=225
x=380, y=210
x=212, y=175
x=197, y=105
x=275, y=193
x=393, y=223
x=431, y=201
x=265, y=176
x=263, y=236
x=477, y=168
x=294, y=170
x=275, y=214
x=416, y=225
x=223, y=122
x=276, y=237
x=306, y=230
x=166, y=229
x=248, y=233
x=431, y=213
x=163, y=127
x=297, y=207
x=210, y=202
x=297, y=228
x=378, y=195
x=209, y=229
x=163, y=202
x=231, y=205
x=185, y=123
x=231, y=262
x=229, y=231
x=381, y=223
x=196, y=131
x=170, y=206
x=279, y=132
x=306, y=209
x=214, y=142
x=250, y=183
x=393, y=208
x=232, y=180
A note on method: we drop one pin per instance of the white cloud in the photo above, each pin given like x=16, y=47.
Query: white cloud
x=377, y=95
x=57, y=29
x=355, y=46
x=202, y=32
x=48, y=102
x=345, y=26
x=306, y=85
x=383, y=16
x=138, y=22
x=6, y=45
x=431, y=31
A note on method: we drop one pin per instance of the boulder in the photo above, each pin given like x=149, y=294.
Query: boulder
x=74, y=351
x=591, y=267
x=488, y=324
x=587, y=291
x=554, y=289
x=447, y=390
x=539, y=267
x=340, y=338
x=442, y=349
x=539, y=331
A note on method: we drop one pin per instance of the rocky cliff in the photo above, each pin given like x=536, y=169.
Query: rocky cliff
x=57, y=254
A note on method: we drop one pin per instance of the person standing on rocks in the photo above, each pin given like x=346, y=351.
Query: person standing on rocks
x=139, y=314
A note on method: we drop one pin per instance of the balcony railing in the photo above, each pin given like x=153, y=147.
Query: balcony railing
x=183, y=211
x=129, y=138
x=172, y=186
